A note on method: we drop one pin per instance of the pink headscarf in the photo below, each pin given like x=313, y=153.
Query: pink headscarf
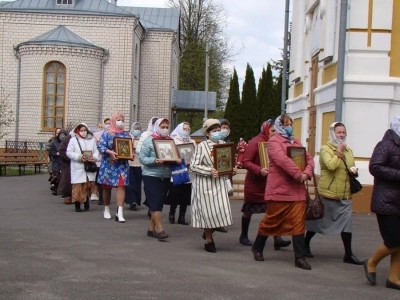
x=156, y=132
x=113, y=126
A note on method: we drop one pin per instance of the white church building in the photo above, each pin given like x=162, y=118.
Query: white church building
x=69, y=61
x=371, y=76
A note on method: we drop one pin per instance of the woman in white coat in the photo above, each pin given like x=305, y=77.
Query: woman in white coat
x=81, y=141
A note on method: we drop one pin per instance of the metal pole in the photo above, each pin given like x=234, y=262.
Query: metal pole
x=341, y=61
x=285, y=56
x=206, y=87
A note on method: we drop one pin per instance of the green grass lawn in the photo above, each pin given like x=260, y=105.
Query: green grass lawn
x=13, y=171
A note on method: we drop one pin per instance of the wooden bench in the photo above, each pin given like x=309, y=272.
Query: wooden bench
x=21, y=160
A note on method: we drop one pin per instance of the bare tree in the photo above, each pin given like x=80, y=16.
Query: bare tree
x=6, y=113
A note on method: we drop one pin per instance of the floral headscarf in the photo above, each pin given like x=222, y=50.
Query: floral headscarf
x=179, y=133
x=113, y=126
x=332, y=137
x=395, y=125
x=280, y=129
x=156, y=132
x=266, y=126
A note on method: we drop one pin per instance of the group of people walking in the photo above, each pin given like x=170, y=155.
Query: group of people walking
x=278, y=190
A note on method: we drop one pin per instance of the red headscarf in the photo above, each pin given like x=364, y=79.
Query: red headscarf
x=113, y=126
x=78, y=130
x=266, y=126
x=55, y=132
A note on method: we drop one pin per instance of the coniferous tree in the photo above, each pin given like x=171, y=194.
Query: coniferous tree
x=232, y=110
x=249, y=106
x=268, y=109
x=261, y=96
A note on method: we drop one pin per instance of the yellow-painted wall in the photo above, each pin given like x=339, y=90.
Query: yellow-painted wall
x=327, y=119
x=297, y=128
x=298, y=90
x=395, y=46
x=329, y=74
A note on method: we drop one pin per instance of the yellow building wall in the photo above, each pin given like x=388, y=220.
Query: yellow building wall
x=297, y=128
x=395, y=43
x=298, y=90
x=327, y=119
x=329, y=74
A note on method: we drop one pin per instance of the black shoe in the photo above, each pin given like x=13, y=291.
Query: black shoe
x=100, y=202
x=371, y=276
x=162, y=235
x=222, y=229
x=280, y=243
x=182, y=221
x=133, y=206
x=302, y=264
x=210, y=247
x=258, y=256
x=78, y=207
x=352, y=260
x=308, y=253
x=86, y=205
x=244, y=240
x=391, y=285
x=54, y=193
x=152, y=234
x=171, y=218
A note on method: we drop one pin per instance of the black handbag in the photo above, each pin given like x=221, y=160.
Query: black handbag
x=89, y=166
x=314, y=207
x=355, y=185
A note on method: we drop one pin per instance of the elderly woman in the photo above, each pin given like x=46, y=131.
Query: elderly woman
x=210, y=201
x=254, y=184
x=180, y=194
x=81, y=180
x=285, y=194
x=385, y=167
x=156, y=177
x=113, y=172
x=334, y=189
x=133, y=195
x=54, y=153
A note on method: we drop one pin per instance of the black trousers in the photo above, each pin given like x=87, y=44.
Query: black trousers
x=297, y=241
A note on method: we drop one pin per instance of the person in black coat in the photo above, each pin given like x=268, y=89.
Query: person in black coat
x=385, y=167
x=56, y=160
x=64, y=186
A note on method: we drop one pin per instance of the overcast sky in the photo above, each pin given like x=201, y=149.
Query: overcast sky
x=254, y=26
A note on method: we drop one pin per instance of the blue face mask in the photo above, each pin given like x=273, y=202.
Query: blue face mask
x=136, y=133
x=216, y=136
x=289, y=130
x=225, y=133
x=185, y=133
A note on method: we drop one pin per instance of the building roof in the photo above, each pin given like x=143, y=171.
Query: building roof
x=156, y=18
x=61, y=36
x=84, y=7
x=193, y=100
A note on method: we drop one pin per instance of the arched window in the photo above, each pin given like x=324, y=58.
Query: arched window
x=53, y=96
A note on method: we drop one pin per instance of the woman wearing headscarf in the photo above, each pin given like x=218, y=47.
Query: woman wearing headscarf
x=145, y=134
x=133, y=194
x=56, y=160
x=156, y=177
x=82, y=181
x=334, y=189
x=385, y=167
x=113, y=172
x=180, y=194
x=254, y=184
x=210, y=200
x=285, y=194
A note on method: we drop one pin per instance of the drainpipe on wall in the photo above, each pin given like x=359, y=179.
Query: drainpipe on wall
x=341, y=61
x=139, y=77
x=18, y=94
x=103, y=61
x=134, y=62
x=285, y=57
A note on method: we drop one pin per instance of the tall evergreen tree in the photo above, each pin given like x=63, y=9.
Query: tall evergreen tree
x=276, y=99
x=268, y=109
x=232, y=110
x=261, y=95
x=249, y=106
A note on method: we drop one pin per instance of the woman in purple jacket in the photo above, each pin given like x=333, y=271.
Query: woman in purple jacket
x=385, y=167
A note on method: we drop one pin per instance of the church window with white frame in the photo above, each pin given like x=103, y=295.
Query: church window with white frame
x=65, y=2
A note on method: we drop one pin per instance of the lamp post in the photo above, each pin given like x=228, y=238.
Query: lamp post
x=206, y=85
x=285, y=58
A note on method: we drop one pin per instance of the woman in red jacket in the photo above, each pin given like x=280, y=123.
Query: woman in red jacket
x=254, y=184
x=285, y=194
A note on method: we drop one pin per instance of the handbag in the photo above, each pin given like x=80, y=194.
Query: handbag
x=89, y=166
x=229, y=187
x=355, y=185
x=180, y=173
x=314, y=207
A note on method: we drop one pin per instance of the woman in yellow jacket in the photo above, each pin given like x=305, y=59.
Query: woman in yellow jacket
x=334, y=189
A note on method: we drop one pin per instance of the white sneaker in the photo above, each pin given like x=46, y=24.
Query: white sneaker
x=94, y=197
x=107, y=214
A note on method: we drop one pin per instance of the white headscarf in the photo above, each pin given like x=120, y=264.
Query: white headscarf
x=280, y=129
x=332, y=136
x=179, y=133
x=395, y=124
x=150, y=127
x=157, y=131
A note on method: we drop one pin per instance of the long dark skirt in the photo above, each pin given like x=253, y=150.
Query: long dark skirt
x=156, y=190
x=64, y=186
x=179, y=194
x=133, y=192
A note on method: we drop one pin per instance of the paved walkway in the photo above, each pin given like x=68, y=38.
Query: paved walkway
x=47, y=251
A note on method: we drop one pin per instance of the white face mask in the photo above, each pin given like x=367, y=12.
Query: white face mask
x=120, y=124
x=225, y=133
x=83, y=134
x=106, y=126
x=164, y=132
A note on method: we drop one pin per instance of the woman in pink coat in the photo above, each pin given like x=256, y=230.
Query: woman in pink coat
x=254, y=184
x=285, y=194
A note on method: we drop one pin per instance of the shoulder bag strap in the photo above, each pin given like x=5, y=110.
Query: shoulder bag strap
x=79, y=144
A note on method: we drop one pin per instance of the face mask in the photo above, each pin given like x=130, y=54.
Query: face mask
x=186, y=133
x=216, y=136
x=106, y=126
x=164, y=132
x=61, y=137
x=136, y=133
x=225, y=133
x=341, y=140
x=83, y=134
x=289, y=130
x=119, y=124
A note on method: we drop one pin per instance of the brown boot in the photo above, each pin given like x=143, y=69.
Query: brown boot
x=67, y=200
